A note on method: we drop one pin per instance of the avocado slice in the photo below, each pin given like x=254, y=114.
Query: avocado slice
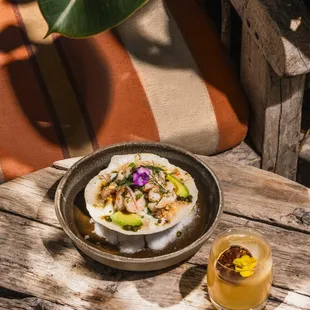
x=126, y=220
x=182, y=190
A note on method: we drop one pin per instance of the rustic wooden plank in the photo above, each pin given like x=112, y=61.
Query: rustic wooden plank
x=292, y=93
x=30, y=303
x=276, y=109
x=65, y=164
x=282, y=38
x=32, y=195
x=49, y=267
x=241, y=154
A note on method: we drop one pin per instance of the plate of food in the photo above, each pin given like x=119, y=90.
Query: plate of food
x=139, y=205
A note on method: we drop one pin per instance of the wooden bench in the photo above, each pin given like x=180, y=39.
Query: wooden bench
x=275, y=59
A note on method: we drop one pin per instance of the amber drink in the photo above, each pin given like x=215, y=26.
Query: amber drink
x=239, y=270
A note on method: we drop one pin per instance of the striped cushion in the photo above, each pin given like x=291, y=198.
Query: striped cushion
x=161, y=76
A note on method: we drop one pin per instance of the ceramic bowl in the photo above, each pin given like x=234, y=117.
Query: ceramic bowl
x=69, y=195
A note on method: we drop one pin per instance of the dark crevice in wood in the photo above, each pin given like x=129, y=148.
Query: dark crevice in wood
x=28, y=218
x=15, y=295
x=11, y=294
x=272, y=223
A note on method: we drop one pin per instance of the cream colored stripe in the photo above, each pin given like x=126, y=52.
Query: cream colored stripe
x=56, y=80
x=178, y=96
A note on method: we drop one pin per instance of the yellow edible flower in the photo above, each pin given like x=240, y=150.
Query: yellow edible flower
x=245, y=265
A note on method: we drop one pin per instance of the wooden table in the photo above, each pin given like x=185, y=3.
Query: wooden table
x=41, y=269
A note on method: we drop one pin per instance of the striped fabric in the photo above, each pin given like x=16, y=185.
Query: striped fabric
x=161, y=76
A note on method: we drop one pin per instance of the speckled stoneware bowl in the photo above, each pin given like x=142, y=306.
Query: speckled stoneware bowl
x=69, y=196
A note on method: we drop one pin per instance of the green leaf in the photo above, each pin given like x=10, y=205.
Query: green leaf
x=83, y=18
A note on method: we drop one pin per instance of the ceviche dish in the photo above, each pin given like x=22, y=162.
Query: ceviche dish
x=140, y=194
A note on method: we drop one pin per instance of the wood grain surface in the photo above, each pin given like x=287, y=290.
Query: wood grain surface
x=281, y=30
x=41, y=269
x=276, y=109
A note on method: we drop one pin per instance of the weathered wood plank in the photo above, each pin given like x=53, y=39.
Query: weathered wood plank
x=32, y=195
x=242, y=154
x=49, y=267
x=282, y=38
x=30, y=303
x=292, y=93
x=276, y=109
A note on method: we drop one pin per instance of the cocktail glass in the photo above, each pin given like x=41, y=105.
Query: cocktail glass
x=239, y=273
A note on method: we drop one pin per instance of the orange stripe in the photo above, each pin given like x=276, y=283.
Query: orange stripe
x=225, y=92
x=28, y=139
x=111, y=90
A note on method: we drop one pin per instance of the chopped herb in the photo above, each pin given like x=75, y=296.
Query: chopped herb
x=159, y=221
x=156, y=224
x=142, y=216
x=179, y=233
x=108, y=219
x=127, y=199
x=155, y=169
x=189, y=198
x=125, y=182
x=131, y=165
x=131, y=228
x=149, y=212
x=138, y=196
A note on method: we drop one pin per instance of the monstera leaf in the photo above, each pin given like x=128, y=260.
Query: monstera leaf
x=83, y=18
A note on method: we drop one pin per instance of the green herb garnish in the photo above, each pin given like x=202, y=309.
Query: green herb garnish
x=131, y=228
x=138, y=196
x=179, y=233
x=189, y=198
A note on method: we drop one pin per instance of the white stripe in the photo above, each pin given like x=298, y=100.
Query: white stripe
x=177, y=94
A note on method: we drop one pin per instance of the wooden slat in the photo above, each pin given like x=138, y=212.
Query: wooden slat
x=30, y=303
x=282, y=38
x=32, y=195
x=44, y=263
x=276, y=109
x=241, y=154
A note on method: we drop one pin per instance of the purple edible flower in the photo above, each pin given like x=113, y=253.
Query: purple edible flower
x=141, y=176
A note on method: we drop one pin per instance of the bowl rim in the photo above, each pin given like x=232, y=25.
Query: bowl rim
x=133, y=260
